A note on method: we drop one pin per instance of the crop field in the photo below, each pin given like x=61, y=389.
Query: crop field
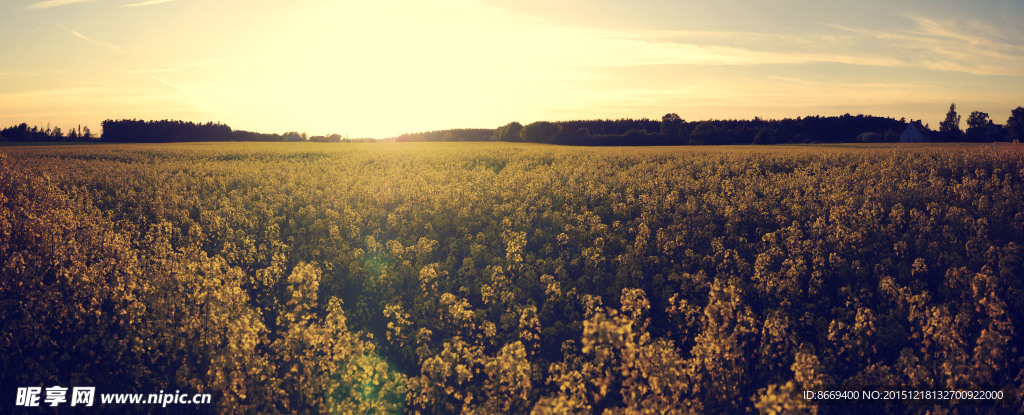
x=517, y=278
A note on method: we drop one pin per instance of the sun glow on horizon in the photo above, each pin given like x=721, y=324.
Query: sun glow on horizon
x=387, y=67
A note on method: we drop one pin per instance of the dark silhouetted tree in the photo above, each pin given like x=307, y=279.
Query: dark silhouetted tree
x=19, y=132
x=457, y=134
x=167, y=131
x=610, y=127
x=509, y=132
x=581, y=135
x=541, y=132
x=950, y=127
x=672, y=126
x=764, y=136
x=977, y=119
x=1014, y=125
x=706, y=133
x=977, y=125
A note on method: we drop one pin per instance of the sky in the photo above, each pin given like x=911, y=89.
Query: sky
x=385, y=67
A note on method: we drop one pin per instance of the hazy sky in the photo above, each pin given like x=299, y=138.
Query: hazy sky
x=383, y=67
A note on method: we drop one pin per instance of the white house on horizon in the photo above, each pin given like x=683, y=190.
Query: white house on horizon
x=914, y=133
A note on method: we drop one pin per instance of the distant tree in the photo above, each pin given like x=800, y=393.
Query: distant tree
x=541, y=132
x=86, y=134
x=164, y=131
x=638, y=138
x=1015, y=124
x=456, y=134
x=20, y=132
x=611, y=127
x=844, y=128
x=950, y=127
x=706, y=133
x=977, y=119
x=508, y=132
x=581, y=135
x=977, y=126
x=36, y=133
x=672, y=126
x=764, y=136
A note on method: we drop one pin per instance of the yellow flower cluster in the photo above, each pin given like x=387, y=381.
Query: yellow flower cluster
x=513, y=278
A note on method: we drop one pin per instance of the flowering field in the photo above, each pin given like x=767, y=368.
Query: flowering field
x=503, y=278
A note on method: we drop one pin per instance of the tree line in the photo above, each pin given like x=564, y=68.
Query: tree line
x=457, y=134
x=142, y=131
x=670, y=130
x=168, y=131
x=980, y=127
x=674, y=130
x=22, y=132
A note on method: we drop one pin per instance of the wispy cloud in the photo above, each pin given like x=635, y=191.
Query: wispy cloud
x=54, y=3
x=147, y=3
x=949, y=45
x=107, y=45
x=638, y=48
x=165, y=82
